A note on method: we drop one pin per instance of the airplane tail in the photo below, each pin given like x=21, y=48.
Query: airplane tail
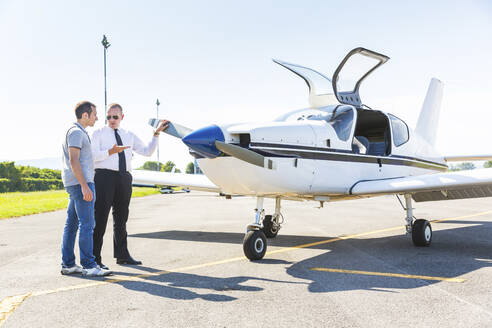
x=429, y=115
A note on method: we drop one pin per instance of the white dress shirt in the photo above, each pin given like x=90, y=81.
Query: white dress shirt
x=103, y=140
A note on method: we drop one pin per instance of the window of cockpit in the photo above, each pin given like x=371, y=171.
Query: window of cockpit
x=342, y=121
x=400, y=131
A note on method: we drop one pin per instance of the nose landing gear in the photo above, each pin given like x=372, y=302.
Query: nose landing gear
x=254, y=245
x=265, y=226
x=272, y=223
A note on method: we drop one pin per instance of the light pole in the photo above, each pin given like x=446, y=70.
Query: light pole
x=158, y=162
x=106, y=45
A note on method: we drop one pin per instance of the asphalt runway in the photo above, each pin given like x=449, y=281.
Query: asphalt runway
x=348, y=264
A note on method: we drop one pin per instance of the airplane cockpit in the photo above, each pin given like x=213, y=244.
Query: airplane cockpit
x=342, y=108
x=371, y=135
x=373, y=131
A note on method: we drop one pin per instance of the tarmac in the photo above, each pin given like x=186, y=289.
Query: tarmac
x=349, y=264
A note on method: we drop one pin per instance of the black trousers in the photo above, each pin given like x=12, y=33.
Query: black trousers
x=112, y=190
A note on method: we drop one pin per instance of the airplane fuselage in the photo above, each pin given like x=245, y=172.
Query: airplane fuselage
x=312, y=154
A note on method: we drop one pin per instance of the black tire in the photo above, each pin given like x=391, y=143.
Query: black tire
x=254, y=245
x=421, y=233
x=269, y=229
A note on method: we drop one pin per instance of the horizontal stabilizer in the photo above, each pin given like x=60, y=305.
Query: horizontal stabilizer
x=190, y=181
x=468, y=158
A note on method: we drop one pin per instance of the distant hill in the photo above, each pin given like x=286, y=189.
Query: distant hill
x=53, y=163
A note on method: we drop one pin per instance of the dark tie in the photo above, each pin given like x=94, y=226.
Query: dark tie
x=121, y=156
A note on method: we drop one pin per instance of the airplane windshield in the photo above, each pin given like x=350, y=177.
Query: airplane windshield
x=342, y=121
x=341, y=118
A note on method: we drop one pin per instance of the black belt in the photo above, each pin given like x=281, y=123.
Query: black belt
x=110, y=171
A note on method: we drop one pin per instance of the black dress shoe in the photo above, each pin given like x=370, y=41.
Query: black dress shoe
x=102, y=266
x=128, y=260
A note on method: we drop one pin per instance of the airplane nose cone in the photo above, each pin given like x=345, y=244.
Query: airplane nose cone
x=203, y=140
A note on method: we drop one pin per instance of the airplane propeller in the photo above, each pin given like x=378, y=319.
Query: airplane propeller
x=174, y=129
x=244, y=154
x=209, y=142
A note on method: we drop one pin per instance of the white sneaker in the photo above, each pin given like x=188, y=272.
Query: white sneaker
x=71, y=270
x=96, y=272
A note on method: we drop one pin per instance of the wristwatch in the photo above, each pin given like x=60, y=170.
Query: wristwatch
x=156, y=133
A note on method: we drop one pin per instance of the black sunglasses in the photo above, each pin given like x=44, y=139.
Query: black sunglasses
x=115, y=117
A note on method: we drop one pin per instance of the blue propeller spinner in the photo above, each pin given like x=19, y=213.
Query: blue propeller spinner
x=203, y=140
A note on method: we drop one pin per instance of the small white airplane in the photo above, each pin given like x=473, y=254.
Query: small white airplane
x=337, y=149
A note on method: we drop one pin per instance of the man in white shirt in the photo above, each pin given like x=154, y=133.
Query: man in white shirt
x=112, y=150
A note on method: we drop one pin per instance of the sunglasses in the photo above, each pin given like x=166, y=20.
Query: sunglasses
x=114, y=117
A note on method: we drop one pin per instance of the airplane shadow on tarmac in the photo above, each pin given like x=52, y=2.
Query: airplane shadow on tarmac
x=454, y=252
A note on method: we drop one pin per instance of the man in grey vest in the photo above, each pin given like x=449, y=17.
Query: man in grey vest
x=78, y=179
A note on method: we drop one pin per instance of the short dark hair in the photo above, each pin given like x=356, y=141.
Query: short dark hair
x=115, y=105
x=83, y=107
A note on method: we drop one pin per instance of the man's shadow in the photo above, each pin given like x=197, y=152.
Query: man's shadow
x=176, y=285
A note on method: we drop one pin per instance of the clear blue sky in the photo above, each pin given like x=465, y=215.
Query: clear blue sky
x=210, y=62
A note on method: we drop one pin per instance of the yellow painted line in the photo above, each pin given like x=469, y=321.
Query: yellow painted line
x=462, y=217
x=332, y=240
x=386, y=274
x=9, y=304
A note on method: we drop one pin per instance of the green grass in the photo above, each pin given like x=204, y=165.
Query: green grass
x=140, y=191
x=14, y=204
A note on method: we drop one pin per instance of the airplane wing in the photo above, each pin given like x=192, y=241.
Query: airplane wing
x=190, y=181
x=431, y=187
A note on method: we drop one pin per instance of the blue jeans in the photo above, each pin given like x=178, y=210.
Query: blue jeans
x=80, y=216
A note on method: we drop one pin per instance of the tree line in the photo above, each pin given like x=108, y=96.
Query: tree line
x=27, y=178
x=169, y=166
x=468, y=166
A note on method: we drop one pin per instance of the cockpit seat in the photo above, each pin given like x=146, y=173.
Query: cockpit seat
x=377, y=148
x=360, y=145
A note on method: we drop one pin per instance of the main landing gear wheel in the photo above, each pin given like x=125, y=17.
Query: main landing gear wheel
x=254, y=245
x=420, y=229
x=270, y=228
x=421, y=233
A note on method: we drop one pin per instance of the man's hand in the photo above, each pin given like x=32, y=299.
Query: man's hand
x=164, y=125
x=117, y=149
x=87, y=192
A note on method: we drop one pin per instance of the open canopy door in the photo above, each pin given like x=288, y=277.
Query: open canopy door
x=353, y=69
x=320, y=86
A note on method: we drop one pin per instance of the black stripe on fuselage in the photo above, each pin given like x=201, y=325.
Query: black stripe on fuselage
x=317, y=153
